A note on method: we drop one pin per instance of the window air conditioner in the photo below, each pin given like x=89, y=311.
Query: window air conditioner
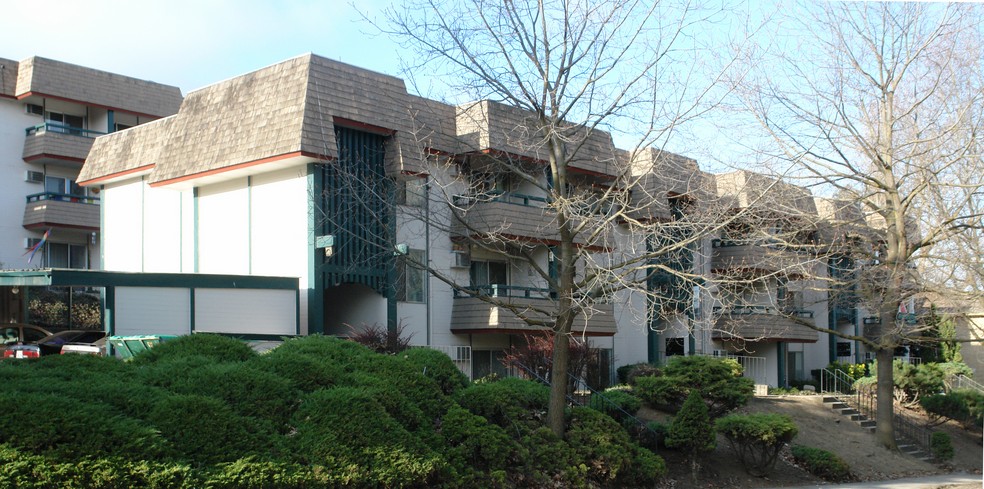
x=34, y=176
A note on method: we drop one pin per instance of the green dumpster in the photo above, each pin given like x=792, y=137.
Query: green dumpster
x=128, y=346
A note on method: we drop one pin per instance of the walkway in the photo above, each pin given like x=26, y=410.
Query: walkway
x=959, y=480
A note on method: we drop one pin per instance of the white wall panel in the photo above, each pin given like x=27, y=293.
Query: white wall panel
x=122, y=207
x=223, y=228
x=153, y=310
x=279, y=231
x=246, y=311
x=162, y=230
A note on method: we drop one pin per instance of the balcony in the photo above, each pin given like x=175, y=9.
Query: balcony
x=61, y=211
x=755, y=258
x=474, y=315
x=56, y=143
x=509, y=216
x=763, y=323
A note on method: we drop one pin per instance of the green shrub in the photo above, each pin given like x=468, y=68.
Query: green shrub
x=305, y=373
x=25, y=471
x=250, y=391
x=544, y=460
x=628, y=373
x=249, y=473
x=618, y=404
x=206, y=430
x=215, y=347
x=822, y=463
x=349, y=432
x=651, y=435
x=437, y=366
x=965, y=406
x=66, y=428
x=853, y=370
x=507, y=402
x=604, y=447
x=757, y=439
x=714, y=379
x=691, y=431
x=470, y=442
x=917, y=381
x=940, y=446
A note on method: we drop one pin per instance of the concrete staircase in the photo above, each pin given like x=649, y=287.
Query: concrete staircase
x=842, y=408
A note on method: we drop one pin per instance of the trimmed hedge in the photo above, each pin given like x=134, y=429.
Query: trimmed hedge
x=717, y=381
x=616, y=403
x=821, y=463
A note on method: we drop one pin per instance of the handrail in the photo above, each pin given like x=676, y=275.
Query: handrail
x=836, y=381
x=961, y=381
x=754, y=309
x=905, y=426
x=501, y=290
x=60, y=128
x=514, y=198
x=81, y=199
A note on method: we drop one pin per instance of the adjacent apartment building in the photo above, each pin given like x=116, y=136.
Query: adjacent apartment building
x=50, y=114
x=336, y=175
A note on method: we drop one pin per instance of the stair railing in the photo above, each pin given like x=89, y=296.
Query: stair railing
x=961, y=381
x=836, y=382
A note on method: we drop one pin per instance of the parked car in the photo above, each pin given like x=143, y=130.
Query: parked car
x=52, y=344
x=14, y=333
x=97, y=347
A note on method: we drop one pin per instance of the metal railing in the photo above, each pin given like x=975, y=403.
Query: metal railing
x=60, y=128
x=504, y=197
x=961, y=381
x=758, y=309
x=752, y=367
x=82, y=199
x=461, y=356
x=906, y=427
x=836, y=382
x=500, y=290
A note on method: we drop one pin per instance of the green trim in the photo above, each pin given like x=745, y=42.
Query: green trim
x=249, y=224
x=315, y=285
x=781, y=352
x=110, y=121
x=692, y=343
x=60, y=277
x=194, y=210
x=191, y=309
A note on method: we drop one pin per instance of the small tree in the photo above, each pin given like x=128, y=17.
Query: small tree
x=692, y=431
x=537, y=356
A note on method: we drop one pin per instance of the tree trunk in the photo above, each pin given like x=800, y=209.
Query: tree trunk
x=558, y=383
x=884, y=417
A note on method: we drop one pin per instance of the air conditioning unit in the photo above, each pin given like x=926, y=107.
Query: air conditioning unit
x=30, y=243
x=461, y=259
x=34, y=176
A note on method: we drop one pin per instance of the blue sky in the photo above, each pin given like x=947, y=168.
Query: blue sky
x=192, y=43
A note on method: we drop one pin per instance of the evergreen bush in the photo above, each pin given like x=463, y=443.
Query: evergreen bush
x=692, y=431
x=821, y=463
x=212, y=346
x=715, y=380
x=941, y=446
x=757, y=439
x=618, y=404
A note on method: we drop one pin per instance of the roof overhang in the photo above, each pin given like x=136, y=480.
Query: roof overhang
x=62, y=277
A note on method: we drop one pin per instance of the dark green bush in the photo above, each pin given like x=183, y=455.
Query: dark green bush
x=349, y=432
x=306, y=373
x=250, y=391
x=600, y=444
x=822, y=463
x=66, y=428
x=917, y=381
x=545, y=460
x=941, y=446
x=507, y=402
x=25, y=471
x=714, y=379
x=628, y=373
x=470, y=442
x=965, y=406
x=205, y=430
x=692, y=431
x=651, y=435
x=618, y=404
x=757, y=439
x=437, y=366
x=215, y=347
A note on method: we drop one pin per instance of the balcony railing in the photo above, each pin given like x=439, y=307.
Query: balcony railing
x=740, y=310
x=60, y=128
x=500, y=290
x=81, y=199
x=505, y=197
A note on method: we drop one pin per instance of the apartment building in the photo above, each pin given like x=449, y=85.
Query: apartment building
x=50, y=114
x=336, y=175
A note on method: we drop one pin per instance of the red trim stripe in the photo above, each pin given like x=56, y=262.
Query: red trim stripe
x=238, y=166
x=116, y=175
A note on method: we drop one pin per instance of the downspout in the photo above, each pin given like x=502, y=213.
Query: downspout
x=427, y=260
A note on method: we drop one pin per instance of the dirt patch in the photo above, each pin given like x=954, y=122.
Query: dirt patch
x=818, y=427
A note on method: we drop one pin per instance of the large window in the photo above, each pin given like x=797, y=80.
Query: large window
x=61, y=185
x=64, y=255
x=412, y=279
x=485, y=273
x=487, y=362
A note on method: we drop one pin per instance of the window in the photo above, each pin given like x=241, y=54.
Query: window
x=674, y=347
x=412, y=280
x=119, y=127
x=486, y=362
x=34, y=109
x=70, y=122
x=411, y=192
x=60, y=185
x=64, y=255
x=486, y=273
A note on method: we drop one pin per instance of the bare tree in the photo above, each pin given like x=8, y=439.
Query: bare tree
x=879, y=107
x=553, y=80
